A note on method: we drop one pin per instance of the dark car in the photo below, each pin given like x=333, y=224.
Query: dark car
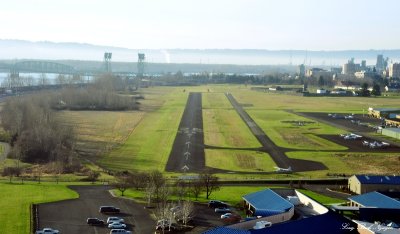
x=217, y=204
x=95, y=221
x=109, y=209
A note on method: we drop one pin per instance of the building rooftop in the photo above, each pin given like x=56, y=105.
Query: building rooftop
x=376, y=179
x=392, y=129
x=267, y=202
x=375, y=199
x=386, y=109
x=328, y=223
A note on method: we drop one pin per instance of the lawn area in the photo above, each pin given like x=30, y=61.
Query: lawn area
x=278, y=125
x=223, y=127
x=16, y=199
x=321, y=198
x=281, y=101
x=233, y=195
x=149, y=144
x=334, y=163
x=100, y=131
x=239, y=160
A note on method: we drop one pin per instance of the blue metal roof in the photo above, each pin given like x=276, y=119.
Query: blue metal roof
x=267, y=202
x=375, y=199
x=225, y=230
x=328, y=223
x=375, y=179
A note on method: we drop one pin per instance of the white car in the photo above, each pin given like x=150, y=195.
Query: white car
x=115, y=219
x=117, y=225
x=47, y=231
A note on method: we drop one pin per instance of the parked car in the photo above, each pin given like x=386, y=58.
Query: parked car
x=222, y=210
x=262, y=224
x=94, y=221
x=117, y=225
x=120, y=231
x=115, y=219
x=109, y=209
x=217, y=204
x=47, y=231
x=226, y=215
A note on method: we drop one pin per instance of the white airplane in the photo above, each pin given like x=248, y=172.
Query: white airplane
x=280, y=169
x=350, y=136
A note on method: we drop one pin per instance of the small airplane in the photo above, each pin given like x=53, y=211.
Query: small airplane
x=280, y=169
x=350, y=136
x=377, y=145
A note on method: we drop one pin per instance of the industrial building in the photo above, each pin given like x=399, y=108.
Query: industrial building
x=394, y=70
x=350, y=67
x=375, y=200
x=392, y=132
x=268, y=203
x=318, y=72
x=382, y=112
x=360, y=184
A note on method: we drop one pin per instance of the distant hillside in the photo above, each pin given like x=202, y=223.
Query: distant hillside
x=18, y=49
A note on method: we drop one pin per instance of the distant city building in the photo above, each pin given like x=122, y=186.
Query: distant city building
x=336, y=70
x=350, y=67
x=364, y=74
x=317, y=72
x=301, y=70
x=380, y=63
x=363, y=65
x=394, y=70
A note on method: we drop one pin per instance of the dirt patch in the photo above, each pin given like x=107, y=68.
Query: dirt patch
x=246, y=161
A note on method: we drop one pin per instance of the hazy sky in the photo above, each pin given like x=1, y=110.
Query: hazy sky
x=201, y=24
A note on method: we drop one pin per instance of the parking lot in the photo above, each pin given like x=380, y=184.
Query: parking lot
x=70, y=216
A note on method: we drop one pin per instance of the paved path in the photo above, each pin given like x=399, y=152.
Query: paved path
x=187, y=152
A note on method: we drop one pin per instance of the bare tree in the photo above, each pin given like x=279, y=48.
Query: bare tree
x=196, y=187
x=158, y=181
x=187, y=211
x=93, y=176
x=181, y=188
x=123, y=183
x=11, y=172
x=149, y=192
x=164, y=208
x=210, y=183
x=139, y=180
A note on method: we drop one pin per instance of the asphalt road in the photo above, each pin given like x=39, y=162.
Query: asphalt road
x=70, y=216
x=187, y=154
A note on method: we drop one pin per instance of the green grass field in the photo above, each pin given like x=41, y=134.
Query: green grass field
x=290, y=135
x=16, y=199
x=239, y=160
x=149, y=145
x=232, y=195
x=223, y=127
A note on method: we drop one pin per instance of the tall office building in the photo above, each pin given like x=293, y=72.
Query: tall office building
x=394, y=70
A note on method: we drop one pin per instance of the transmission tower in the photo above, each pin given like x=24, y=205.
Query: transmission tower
x=140, y=65
x=107, y=62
